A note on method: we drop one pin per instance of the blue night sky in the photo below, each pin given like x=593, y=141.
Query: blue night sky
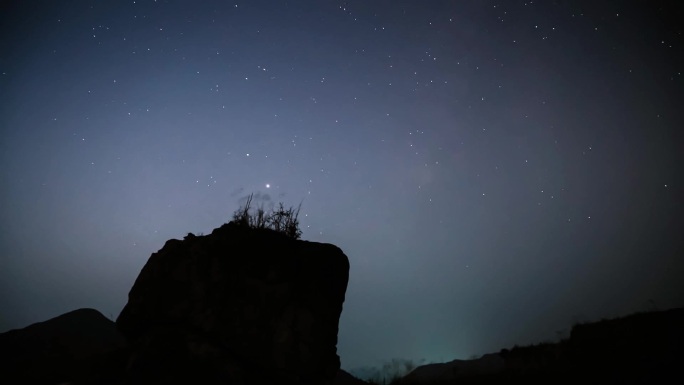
x=494, y=170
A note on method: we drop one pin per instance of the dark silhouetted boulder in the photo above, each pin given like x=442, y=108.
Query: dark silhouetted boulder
x=237, y=306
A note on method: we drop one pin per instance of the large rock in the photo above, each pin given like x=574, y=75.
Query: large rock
x=237, y=306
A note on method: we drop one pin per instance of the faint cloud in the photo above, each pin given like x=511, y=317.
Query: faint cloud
x=258, y=199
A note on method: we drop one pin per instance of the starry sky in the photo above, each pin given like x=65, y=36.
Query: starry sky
x=494, y=170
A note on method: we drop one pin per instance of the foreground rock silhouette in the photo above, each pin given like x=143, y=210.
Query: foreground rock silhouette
x=237, y=306
x=240, y=305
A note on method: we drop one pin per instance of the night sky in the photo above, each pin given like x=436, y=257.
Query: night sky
x=494, y=170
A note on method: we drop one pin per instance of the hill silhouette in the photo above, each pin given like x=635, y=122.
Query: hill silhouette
x=55, y=350
x=642, y=348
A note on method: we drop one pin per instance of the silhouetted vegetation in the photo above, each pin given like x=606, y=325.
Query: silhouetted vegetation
x=281, y=220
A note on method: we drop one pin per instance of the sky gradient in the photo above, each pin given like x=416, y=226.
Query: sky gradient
x=494, y=170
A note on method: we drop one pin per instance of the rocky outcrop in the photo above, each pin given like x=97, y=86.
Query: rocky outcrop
x=237, y=306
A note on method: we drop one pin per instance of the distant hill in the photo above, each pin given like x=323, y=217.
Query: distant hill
x=344, y=378
x=52, y=350
x=487, y=364
x=642, y=348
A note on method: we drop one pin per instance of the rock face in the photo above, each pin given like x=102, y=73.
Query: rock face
x=237, y=306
